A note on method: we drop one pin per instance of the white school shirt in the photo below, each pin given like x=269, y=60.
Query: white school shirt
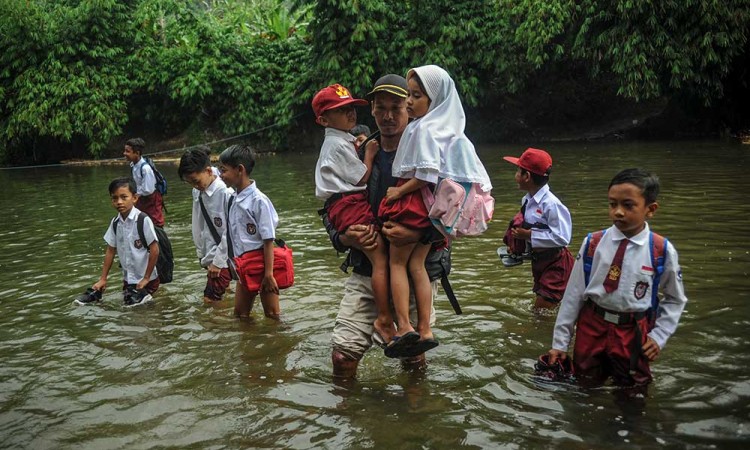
x=633, y=293
x=215, y=200
x=338, y=169
x=133, y=253
x=544, y=207
x=252, y=219
x=146, y=184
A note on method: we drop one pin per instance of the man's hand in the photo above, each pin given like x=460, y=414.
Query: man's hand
x=651, y=349
x=399, y=235
x=361, y=237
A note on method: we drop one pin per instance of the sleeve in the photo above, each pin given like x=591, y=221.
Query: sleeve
x=110, y=237
x=570, y=306
x=560, y=228
x=343, y=163
x=430, y=176
x=148, y=184
x=673, y=299
x=266, y=218
x=197, y=224
x=148, y=231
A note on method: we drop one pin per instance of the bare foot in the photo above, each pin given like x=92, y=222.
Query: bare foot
x=385, y=328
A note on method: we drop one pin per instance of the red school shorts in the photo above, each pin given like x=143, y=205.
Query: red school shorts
x=350, y=209
x=602, y=349
x=216, y=287
x=153, y=206
x=410, y=210
x=551, y=269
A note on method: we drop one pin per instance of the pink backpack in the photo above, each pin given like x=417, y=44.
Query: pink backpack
x=459, y=209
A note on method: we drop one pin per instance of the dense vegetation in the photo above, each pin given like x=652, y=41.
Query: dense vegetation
x=80, y=73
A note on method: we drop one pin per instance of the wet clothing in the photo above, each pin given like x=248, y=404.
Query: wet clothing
x=630, y=302
x=150, y=200
x=551, y=269
x=252, y=220
x=132, y=253
x=409, y=210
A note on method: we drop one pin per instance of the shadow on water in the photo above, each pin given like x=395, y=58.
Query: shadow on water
x=177, y=373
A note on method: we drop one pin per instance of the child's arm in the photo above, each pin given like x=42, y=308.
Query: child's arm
x=269, y=282
x=109, y=258
x=153, y=255
x=394, y=193
x=560, y=229
x=670, y=306
x=570, y=307
x=371, y=149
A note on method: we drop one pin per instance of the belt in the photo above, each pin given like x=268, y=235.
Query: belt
x=545, y=254
x=617, y=318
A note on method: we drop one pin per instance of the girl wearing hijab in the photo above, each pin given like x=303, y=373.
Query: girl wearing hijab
x=433, y=147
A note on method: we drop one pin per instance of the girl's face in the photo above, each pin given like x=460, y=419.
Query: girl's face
x=628, y=209
x=418, y=102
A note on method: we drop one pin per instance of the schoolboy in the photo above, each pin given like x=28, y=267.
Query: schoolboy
x=341, y=181
x=360, y=133
x=137, y=258
x=251, y=227
x=150, y=200
x=615, y=334
x=210, y=196
x=547, y=227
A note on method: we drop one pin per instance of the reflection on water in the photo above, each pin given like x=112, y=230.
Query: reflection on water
x=179, y=374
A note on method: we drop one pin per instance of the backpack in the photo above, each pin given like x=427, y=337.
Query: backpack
x=161, y=182
x=165, y=262
x=657, y=245
x=459, y=209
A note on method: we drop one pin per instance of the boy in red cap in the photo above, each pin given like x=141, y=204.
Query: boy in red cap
x=546, y=227
x=341, y=181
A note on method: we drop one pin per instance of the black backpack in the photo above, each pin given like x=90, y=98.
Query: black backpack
x=165, y=262
x=161, y=182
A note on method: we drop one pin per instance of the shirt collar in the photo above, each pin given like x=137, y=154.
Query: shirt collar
x=541, y=193
x=140, y=162
x=342, y=134
x=247, y=191
x=641, y=238
x=132, y=215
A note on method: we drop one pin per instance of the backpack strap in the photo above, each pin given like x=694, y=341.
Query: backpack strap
x=209, y=222
x=658, y=247
x=592, y=241
x=114, y=224
x=141, y=234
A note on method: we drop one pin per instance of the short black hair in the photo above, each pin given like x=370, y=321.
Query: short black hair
x=539, y=180
x=194, y=160
x=360, y=129
x=117, y=183
x=645, y=181
x=137, y=144
x=237, y=155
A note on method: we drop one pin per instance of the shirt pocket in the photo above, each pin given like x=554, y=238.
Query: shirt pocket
x=641, y=286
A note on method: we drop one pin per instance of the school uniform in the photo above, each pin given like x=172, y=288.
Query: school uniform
x=132, y=253
x=337, y=173
x=552, y=227
x=252, y=219
x=149, y=199
x=214, y=199
x=608, y=323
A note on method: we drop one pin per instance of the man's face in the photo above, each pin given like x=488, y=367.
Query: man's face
x=390, y=113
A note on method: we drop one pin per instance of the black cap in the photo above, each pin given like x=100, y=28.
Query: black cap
x=391, y=83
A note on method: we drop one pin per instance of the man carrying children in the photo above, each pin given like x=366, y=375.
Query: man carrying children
x=353, y=332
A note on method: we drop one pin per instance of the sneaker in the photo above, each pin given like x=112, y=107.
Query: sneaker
x=135, y=297
x=509, y=260
x=89, y=297
x=561, y=370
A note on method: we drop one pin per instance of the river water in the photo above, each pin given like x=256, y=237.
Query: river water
x=179, y=374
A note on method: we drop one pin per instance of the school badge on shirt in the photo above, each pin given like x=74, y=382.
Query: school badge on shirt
x=251, y=228
x=138, y=244
x=640, y=289
x=217, y=222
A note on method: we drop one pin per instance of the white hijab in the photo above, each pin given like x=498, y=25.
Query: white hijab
x=436, y=141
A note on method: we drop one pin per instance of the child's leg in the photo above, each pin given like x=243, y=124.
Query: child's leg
x=243, y=301
x=379, y=259
x=216, y=287
x=399, y=258
x=271, y=307
x=422, y=289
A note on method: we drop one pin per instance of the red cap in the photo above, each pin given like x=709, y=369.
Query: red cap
x=333, y=96
x=534, y=160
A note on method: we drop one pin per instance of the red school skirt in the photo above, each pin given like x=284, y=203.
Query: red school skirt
x=410, y=210
x=350, y=209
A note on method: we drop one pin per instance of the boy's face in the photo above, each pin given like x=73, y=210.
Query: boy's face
x=524, y=181
x=343, y=118
x=360, y=139
x=200, y=180
x=232, y=176
x=418, y=102
x=628, y=209
x=123, y=200
x=130, y=154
